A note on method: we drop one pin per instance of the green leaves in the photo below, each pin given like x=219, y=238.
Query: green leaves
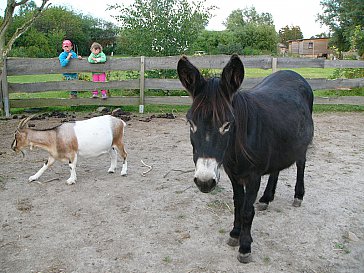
x=160, y=27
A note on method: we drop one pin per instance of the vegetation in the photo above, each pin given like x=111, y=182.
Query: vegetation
x=160, y=27
x=346, y=22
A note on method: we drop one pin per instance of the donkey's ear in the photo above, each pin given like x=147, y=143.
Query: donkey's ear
x=189, y=76
x=232, y=75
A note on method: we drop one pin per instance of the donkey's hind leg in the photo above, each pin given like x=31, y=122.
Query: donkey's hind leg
x=299, y=190
x=270, y=189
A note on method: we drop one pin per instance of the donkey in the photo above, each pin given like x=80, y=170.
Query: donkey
x=253, y=133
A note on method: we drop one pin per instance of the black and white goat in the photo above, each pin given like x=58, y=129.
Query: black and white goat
x=87, y=138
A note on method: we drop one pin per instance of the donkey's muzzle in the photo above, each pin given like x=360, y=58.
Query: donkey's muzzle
x=205, y=186
x=207, y=174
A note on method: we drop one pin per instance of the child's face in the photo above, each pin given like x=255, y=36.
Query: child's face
x=67, y=48
x=95, y=51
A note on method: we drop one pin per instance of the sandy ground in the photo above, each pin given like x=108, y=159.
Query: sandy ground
x=160, y=222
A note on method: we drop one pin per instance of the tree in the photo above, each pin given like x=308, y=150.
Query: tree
x=6, y=45
x=160, y=27
x=56, y=24
x=345, y=20
x=289, y=33
x=240, y=18
x=251, y=32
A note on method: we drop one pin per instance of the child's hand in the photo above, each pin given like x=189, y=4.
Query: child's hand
x=79, y=57
x=69, y=56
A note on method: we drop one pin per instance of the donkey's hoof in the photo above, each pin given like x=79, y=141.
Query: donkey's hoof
x=297, y=202
x=261, y=206
x=245, y=258
x=111, y=171
x=233, y=241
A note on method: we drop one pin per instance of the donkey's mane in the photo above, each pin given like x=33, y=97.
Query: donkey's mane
x=211, y=103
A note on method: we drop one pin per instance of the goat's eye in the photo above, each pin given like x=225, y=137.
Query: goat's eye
x=225, y=128
x=193, y=126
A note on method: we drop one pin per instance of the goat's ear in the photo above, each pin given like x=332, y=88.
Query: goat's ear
x=189, y=76
x=232, y=75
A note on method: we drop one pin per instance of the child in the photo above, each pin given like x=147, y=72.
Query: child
x=97, y=56
x=64, y=59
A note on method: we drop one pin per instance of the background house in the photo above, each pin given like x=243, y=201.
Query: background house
x=310, y=48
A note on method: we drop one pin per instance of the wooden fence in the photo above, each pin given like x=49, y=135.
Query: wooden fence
x=36, y=66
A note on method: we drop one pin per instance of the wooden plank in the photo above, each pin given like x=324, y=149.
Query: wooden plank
x=71, y=85
x=299, y=62
x=40, y=102
x=317, y=84
x=142, y=84
x=344, y=64
x=348, y=100
x=168, y=100
x=174, y=84
x=5, y=89
x=33, y=66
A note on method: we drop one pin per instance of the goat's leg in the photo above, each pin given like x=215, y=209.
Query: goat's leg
x=72, y=164
x=47, y=164
x=121, y=150
x=114, y=160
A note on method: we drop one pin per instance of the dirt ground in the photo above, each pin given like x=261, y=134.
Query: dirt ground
x=158, y=221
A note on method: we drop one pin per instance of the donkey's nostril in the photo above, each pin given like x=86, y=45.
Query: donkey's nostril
x=205, y=186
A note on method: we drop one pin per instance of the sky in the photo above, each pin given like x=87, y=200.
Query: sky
x=284, y=12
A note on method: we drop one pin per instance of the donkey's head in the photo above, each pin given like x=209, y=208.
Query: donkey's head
x=21, y=136
x=211, y=117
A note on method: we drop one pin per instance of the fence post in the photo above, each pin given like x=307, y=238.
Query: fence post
x=274, y=65
x=142, y=84
x=5, y=90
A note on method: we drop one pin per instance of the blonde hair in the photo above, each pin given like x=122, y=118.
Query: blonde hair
x=96, y=46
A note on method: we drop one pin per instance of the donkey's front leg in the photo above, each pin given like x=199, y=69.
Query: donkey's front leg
x=238, y=191
x=46, y=165
x=72, y=164
x=247, y=213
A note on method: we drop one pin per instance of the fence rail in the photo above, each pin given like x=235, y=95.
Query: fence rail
x=36, y=66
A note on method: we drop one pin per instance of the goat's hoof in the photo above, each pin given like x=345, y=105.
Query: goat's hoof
x=124, y=174
x=297, y=202
x=245, y=258
x=261, y=206
x=31, y=179
x=233, y=241
x=71, y=181
x=111, y=171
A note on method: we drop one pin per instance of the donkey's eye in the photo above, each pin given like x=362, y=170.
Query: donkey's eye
x=225, y=128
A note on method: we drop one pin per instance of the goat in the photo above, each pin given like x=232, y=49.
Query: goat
x=87, y=138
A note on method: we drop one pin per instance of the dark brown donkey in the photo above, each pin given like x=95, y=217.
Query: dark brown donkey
x=261, y=131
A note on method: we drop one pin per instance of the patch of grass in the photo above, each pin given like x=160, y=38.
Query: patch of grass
x=338, y=93
x=320, y=108
x=266, y=260
x=167, y=259
x=222, y=231
x=342, y=247
x=217, y=190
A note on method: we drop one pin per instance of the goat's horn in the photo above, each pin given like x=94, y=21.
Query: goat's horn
x=25, y=121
